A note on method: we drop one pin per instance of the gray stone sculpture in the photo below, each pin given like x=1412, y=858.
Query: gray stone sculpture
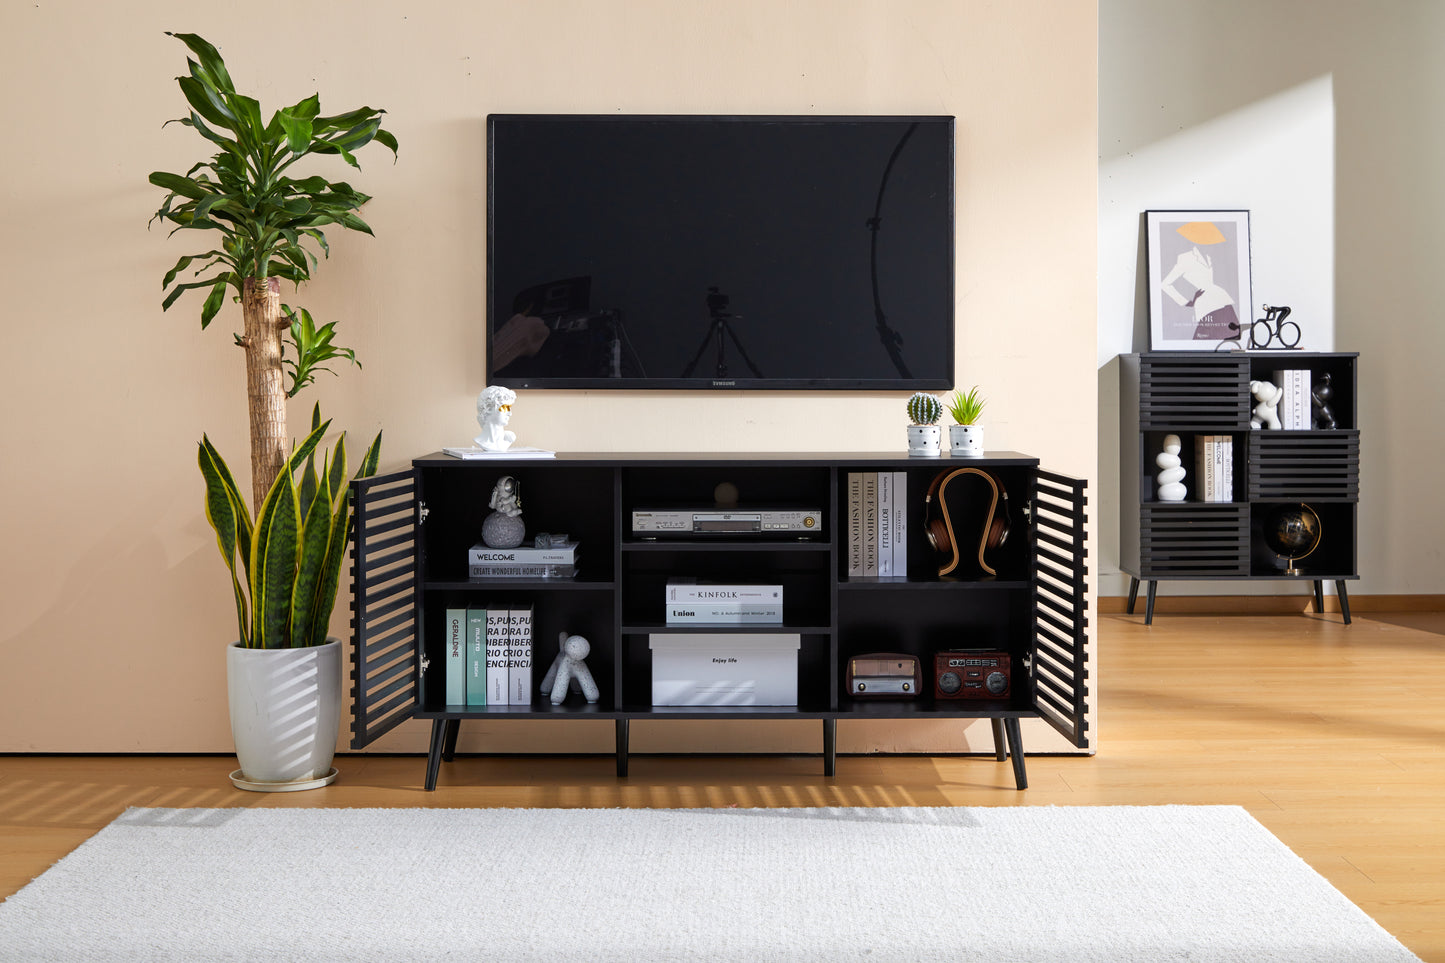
x=568, y=670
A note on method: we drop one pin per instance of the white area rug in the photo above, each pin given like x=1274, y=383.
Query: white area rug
x=1027, y=884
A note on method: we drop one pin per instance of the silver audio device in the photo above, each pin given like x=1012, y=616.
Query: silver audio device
x=711, y=521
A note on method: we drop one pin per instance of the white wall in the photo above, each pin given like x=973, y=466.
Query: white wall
x=116, y=609
x=1319, y=118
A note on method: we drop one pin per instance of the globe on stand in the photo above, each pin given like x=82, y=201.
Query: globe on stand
x=1292, y=532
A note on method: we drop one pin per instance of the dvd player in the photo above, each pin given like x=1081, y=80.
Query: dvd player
x=766, y=521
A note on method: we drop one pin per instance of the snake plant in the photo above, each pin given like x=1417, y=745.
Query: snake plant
x=290, y=555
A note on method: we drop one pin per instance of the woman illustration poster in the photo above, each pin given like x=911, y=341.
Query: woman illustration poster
x=1204, y=271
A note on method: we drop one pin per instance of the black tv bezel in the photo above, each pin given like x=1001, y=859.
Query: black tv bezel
x=730, y=384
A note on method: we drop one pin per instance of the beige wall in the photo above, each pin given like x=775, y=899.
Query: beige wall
x=115, y=607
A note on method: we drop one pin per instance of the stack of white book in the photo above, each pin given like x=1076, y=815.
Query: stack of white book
x=558, y=561
x=1214, y=468
x=877, y=523
x=701, y=603
x=1294, y=410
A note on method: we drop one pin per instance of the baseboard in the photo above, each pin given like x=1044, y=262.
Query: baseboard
x=1269, y=604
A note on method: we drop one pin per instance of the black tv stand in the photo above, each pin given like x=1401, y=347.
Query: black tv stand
x=413, y=529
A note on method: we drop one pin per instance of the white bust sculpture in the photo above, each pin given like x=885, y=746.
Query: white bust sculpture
x=494, y=410
x=1171, y=477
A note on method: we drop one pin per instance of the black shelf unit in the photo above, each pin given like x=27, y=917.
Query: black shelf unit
x=413, y=528
x=1189, y=393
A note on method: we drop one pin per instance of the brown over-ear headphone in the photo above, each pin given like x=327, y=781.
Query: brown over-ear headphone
x=938, y=523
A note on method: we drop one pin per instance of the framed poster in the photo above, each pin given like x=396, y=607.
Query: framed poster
x=1199, y=279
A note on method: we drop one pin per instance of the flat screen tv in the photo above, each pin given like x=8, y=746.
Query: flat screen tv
x=720, y=252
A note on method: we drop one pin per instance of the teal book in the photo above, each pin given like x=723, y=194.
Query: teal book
x=476, y=657
x=456, y=657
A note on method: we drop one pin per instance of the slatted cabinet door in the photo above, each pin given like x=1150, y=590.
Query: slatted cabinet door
x=385, y=666
x=1061, y=605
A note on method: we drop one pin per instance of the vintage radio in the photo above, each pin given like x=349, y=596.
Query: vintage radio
x=971, y=674
x=884, y=675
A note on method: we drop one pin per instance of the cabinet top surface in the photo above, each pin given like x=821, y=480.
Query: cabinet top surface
x=892, y=459
x=1252, y=355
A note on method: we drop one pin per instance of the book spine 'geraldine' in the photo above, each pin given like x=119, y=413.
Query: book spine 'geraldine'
x=456, y=656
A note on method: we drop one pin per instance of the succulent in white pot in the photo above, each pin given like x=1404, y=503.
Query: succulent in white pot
x=924, y=433
x=965, y=435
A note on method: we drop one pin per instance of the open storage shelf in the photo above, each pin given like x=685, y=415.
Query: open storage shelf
x=1195, y=393
x=414, y=528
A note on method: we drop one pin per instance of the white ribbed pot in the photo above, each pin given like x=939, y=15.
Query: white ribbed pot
x=285, y=710
x=966, y=440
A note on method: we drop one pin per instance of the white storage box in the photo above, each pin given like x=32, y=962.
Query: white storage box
x=724, y=669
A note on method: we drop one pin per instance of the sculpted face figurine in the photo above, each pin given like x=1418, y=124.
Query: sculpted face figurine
x=494, y=410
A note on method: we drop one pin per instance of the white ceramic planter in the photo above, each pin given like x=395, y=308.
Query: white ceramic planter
x=966, y=440
x=924, y=439
x=285, y=710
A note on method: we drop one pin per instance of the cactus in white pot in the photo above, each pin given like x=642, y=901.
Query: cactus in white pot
x=924, y=433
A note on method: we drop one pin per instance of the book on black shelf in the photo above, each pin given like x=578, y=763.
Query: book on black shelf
x=476, y=694
x=900, y=523
x=472, y=453
x=456, y=657
x=855, y=524
x=519, y=656
x=497, y=615
x=870, y=523
x=691, y=590
x=1294, y=409
x=690, y=601
x=556, y=561
x=885, y=523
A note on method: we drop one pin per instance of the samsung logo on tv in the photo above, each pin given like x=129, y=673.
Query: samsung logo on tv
x=724, y=384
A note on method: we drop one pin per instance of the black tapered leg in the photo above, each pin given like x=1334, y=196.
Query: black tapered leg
x=621, y=748
x=449, y=744
x=1016, y=748
x=1133, y=594
x=1319, y=596
x=1344, y=599
x=830, y=747
x=1000, y=750
x=434, y=756
x=1149, y=602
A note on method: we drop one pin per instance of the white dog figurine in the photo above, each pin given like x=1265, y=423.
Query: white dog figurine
x=494, y=410
x=568, y=670
x=1268, y=396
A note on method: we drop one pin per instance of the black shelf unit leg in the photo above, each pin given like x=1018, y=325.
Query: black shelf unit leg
x=449, y=744
x=622, y=747
x=1000, y=749
x=1016, y=749
x=1344, y=599
x=830, y=747
x=1149, y=602
x=1319, y=596
x=1133, y=594
x=434, y=755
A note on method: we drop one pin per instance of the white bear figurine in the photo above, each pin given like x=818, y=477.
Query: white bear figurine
x=1268, y=396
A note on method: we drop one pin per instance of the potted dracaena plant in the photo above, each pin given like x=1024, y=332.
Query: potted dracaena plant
x=965, y=435
x=285, y=557
x=924, y=434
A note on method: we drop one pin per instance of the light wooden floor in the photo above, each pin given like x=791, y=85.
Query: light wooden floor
x=1332, y=736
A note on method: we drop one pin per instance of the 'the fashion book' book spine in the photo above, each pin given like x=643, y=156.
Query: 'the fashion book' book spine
x=870, y=523
x=855, y=524
x=456, y=656
x=519, y=662
x=497, y=654
x=476, y=657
